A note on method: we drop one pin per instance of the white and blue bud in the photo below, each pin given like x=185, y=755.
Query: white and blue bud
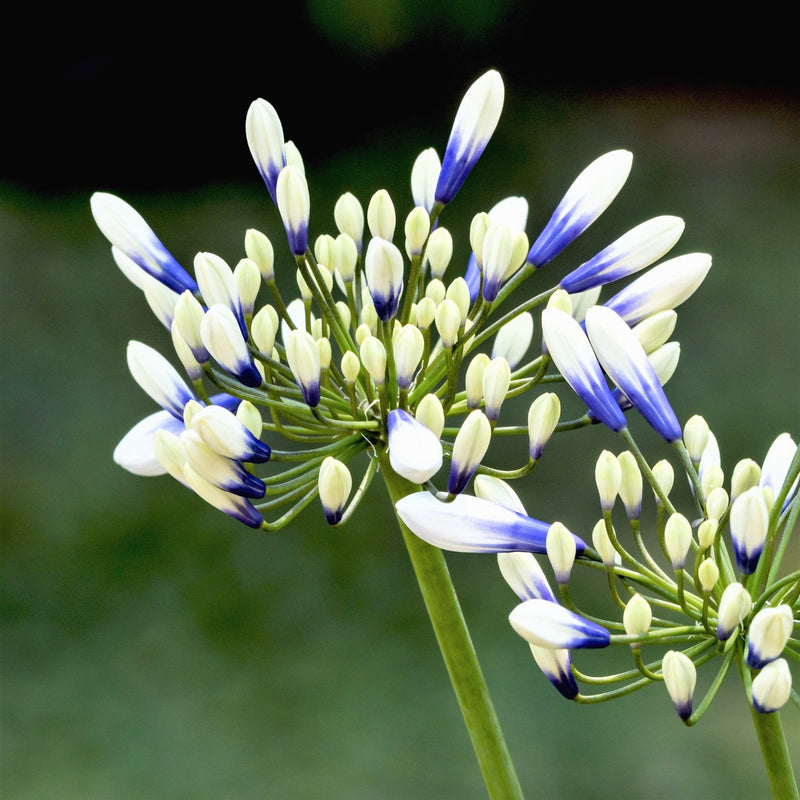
x=526, y=578
x=226, y=435
x=748, y=521
x=158, y=378
x=161, y=299
x=475, y=121
x=408, y=346
x=265, y=139
x=680, y=678
x=188, y=317
x=218, y=285
x=734, y=606
x=334, y=484
x=383, y=265
x=495, y=380
x=556, y=665
x=194, y=369
x=127, y=231
x=632, y=252
x=496, y=259
x=294, y=205
x=624, y=360
x=607, y=477
x=136, y=450
x=224, y=473
x=550, y=625
x=415, y=452
x=543, y=416
x=604, y=546
x=248, y=281
x=772, y=687
x=514, y=339
x=424, y=177
x=586, y=199
x=222, y=337
x=776, y=466
x=573, y=355
x=473, y=380
x=302, y=356
x=663, y=287
x=234, y=505
x=768, y=634
x=470, y=446
x=561, y=550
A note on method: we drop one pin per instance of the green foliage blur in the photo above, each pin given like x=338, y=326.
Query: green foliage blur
x=153, y=648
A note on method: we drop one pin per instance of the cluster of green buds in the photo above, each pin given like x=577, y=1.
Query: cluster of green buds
x=369, y=358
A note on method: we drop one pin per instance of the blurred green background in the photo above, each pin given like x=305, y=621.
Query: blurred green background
x=151, y=647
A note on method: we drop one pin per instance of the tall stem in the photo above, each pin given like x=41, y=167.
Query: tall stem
x=458, y=652
x=775, y=754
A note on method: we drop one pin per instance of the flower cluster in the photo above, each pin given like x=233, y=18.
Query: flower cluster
x=368, y=359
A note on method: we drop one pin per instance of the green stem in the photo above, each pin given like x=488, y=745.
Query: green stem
x=775, y=754
x=458, y=652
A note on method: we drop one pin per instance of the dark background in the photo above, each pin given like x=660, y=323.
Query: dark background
x=153, y=648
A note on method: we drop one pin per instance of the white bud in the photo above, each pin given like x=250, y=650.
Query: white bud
x=637, y=616
x=561, y=549
x=514, y=339
x=734, y=606
x=381, y=218
x=496, y=380
x=431, y=414
x=768, y=634
x=665, y=477
x=349, y=217
x=408, y=347
x=695, y=437
x=248, y=281
x=417, y=227
x=373, y=357
x=424, y=175
x=439, y=251
x=334, y=485
x=630, y=487
x=602, y=543
x=746, y=475
x=772, y=687
x=259, y=248
x=448, y=322
x=677, y=540
x=680, y=677
x=708, y=575
x=543, y=416
x=607, y=476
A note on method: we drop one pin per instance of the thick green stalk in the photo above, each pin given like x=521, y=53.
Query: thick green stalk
x=458, y=652
x=775, y=754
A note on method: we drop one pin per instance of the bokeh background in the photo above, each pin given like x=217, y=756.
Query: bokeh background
x=152, y=648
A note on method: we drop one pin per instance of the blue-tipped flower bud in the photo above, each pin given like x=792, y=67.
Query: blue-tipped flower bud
x=303, y=357
x=776, y=466
x=496, y=379
x=218, y=286
x=475, y=121
x=772, y=687
x=588, y=197
x=294, y=205
x=547, y=624
x=557, y=668
x=225, y=434
x=677, y=540
x=625, y=361
x=136, y=452
x=415, y=452
x=265, y=139
x=224, y=473
x=158, y=378
x=408, y=346
x=335, y=483
x=232, y=504
x=734, y=606
x=748, y=522
x=543, y=416
x=125, y=228
x=630, y=486
x=470, y=446
x=635, y=250
x=767, y=635
x=570, y=349
x=383, y=266
x=680, y=678
x=471, y=525
x=222, y=337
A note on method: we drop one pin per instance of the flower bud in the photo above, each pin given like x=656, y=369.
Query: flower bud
x=630, y=487
x=188, y=317
x=695, y=437
x=543, y=416
x=293, y=156
x=224, y=473
x=716, y=502
x=654, y=331
x=436, y=291
x=349, y=217
x=235, y=506
x=561, y=549
x=248, y=282
x=746, y=475
x=477, y=232
x=217, y=284
x=708, y=575
x=473, y=380
x=607, y=476
x=498, y=491
x=363, y=331
x=294, y=205
x=383, y=266
x=265, y=139
x=637, y=617
x=734, y=606
x=602, y=543
x=169, y=452
x=748, y=522
x=351, y=366
x=424, y=175
x=439, y=252
x=381, y=218
x=431, y=414
x=415, y=452
x=448, y=321
x=776, y=466
x=458, y=292
x=548, y=624
x=259, y=248
x=222, y=337
x=334, y=484
x=706, y=533
x=514, y=339
x=769, y=631
x=665, y=477
x=680, y=677
x=193, y=368
x=677, y=539
x=426, y=312
x=408, y=347
x=417, y=227
x=325, y=353
x=560, y=301
x=496, y=380
x=495, y=259
x=772, y=686
x=712, y=478
x=373, y=357
x=250, y=417
x=263, y=331
x=470, y=446
x=303, y=358
x=345, y=257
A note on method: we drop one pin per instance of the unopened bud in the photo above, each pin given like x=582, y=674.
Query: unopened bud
x=708, y=575
x=349, y=217
x=373, y=357
x=543, y=416
x=351, y=366
x=381, y=218
x=335, y=483
x=665, y=477
x=734, y=606
x=716, y=503
x=602, y=543
x=458, y=292
x=448, y=322
x=439, y=251
x=560, y=301
x=695, y=437
x=713, y=477
x=496, y=380
x=706, y=533
x=417, y=227
x=772, y=687
x=655, y=330
x=607, y=476
x=431, y=414
x=746, y=475
x=637, y=617
x=473, y=380
x=680, y=678
x=561, y=549
x=259, y=248
x=630, y=487
x=677, y=540
x=436, y=291
x=425, y=312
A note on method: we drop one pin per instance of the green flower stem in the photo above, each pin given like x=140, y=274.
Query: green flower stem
x=458, y=652
x=775, y=753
